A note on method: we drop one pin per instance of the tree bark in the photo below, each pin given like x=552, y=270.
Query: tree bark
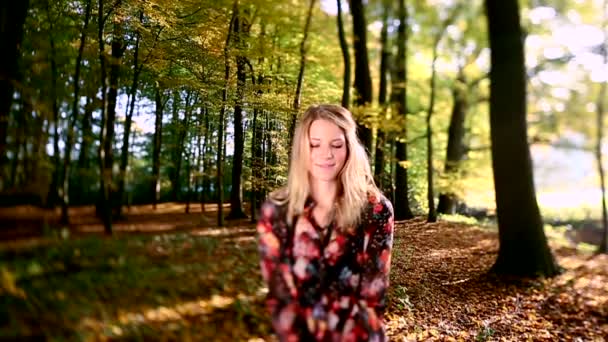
x=345, y=58
x=603, y=247
x=124, y=157
x=118, y=49
x=67, y=160
x=158, y=134
x=402, y=205
x=455, y=146
x=220, y=143
x=363, y=80
x=53, y=194
x=206, y=164
x=298, y=94
x=379, y=173
x=87, y=131
x=523, y=246
x=432, y=215
x=12, y=18
x=104, y=209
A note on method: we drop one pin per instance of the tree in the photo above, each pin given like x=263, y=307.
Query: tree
x=12, y=17
x=219, y=185
x=399, y=101
x=601, y=100
x=363, y=81
x=345, y=58
x=379, y=172
x=241, y=33
x=298, y=95
x=65, y=179
x=523, y=245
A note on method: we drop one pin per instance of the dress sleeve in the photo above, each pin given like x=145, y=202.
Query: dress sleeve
x=375, y=260
x=282, y=300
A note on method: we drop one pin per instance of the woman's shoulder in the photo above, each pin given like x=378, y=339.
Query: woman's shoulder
x=275, y=205
x=378, y=204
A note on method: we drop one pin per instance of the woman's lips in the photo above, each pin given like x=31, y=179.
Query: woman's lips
x=326, y=166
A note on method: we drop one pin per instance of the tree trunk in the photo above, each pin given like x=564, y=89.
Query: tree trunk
x=181, y=129
x=402, y=205
x=363, y=80
x=298, y=95
x=158, y=128
x=432, y=215
x=12, y=18
x=379, y=173
x=189, y=158
x=174, y=145
x=118, y=49
x=206, y=164
x=455, y=146
x=105, y=174
x=53, y=194
x=523, y=246
x=87, y=132
x=241, y=31
x=124, y=157
x=220, y=141
x=67, y=160
x=603, y=247
x=345, y=58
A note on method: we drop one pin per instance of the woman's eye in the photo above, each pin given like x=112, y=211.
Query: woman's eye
x=337, y=146
x=314, y=146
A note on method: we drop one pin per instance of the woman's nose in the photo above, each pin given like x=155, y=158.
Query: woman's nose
x=329, y=153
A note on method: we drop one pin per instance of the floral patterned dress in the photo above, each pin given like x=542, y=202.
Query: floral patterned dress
x=326, y=287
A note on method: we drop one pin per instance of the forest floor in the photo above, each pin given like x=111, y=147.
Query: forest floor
x=166, y=275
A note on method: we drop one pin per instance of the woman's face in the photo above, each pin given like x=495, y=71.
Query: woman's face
x=327, y=150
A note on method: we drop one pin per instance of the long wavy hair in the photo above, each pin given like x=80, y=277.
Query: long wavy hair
x=356, y=182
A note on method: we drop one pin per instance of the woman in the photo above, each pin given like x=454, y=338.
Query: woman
x=325, y=239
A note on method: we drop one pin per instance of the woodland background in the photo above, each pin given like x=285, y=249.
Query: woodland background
x=126, y=124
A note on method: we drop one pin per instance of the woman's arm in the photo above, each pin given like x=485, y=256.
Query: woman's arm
x=276, y=270
x=375, y=260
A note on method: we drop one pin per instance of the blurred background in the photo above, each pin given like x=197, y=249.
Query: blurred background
x=130, y=116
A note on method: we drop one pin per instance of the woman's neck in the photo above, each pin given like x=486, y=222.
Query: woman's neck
x=324, y=193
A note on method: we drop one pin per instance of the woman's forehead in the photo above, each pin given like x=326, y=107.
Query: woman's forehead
x=322, y=128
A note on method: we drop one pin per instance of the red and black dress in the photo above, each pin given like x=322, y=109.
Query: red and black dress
x=326, y=284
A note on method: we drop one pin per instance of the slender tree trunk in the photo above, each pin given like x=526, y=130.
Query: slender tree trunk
x=87, y=133
x=124, y=157
x=298, y=95
x=174, y=145
x=181, y=129
x=158, y=127
x=220, y=143
x=455, y=146
x=189, y=158
x=402, y=205
x=432, y=216
x=118, y=49
x=603, y=247
x=206, y=164
x=379, y=173
x=363, y=80
x=67, y=160
x=12, y=18
x=53, y=194
x=523, y=246
x=345, y=58
x=105, y=174
x=200, y=145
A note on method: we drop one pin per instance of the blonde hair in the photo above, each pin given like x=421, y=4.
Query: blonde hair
x=356, y=180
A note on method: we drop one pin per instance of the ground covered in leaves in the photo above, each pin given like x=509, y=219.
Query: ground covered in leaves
x=192, y=281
